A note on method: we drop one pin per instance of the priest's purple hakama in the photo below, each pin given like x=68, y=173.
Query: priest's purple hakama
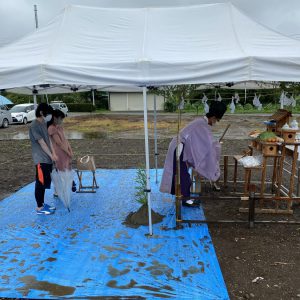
x=200, y=151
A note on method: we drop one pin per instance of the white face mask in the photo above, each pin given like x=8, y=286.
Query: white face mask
x=58, y=121
x=47, y=118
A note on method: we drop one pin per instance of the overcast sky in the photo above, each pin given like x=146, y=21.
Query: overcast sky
x=17, y=16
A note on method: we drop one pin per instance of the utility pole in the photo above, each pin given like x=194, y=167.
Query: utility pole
x=36, y=17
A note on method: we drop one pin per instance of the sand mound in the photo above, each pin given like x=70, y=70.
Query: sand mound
x=140, y=217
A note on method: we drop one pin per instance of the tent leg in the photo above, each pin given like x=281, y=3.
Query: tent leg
x=155, y=140
x=93, y=96
x=34, y=101
x=148, y=188
x=178, y=201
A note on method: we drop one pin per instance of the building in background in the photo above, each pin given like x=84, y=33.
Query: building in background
x=133, y=101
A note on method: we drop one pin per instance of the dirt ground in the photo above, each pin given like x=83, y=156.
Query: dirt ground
x=259, y=263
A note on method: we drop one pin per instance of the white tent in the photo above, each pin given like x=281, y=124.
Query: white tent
x=282, y=16
x=102, y=46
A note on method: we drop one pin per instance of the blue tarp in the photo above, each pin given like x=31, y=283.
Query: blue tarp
x=89, y=253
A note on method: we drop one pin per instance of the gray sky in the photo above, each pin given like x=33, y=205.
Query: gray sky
x=17, y=16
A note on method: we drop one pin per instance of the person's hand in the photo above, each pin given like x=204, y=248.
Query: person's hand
x=54, y=157
x=70, y=152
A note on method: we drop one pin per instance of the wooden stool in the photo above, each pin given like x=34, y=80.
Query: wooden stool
x=236, y=158
x=247, y=180
x=86, y=189
x=86, y=164
x=247, y=176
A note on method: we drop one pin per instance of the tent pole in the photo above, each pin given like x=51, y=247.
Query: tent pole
x=155, y=140
x=148, y=188
x=177, y=176
x=245, y=93
x=34, y=92
x=281, y=101
x=36, y=17
x=47, y=98
x=93, y=96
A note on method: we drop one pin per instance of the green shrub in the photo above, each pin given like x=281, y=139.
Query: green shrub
x=199, y=108
x=81, y=107
x=296, y=109
x=269, y=107
x=169, y=106
x=19, y=99
x=248, y=106
x=239, y=107
x=189, y=107
x=141, y=185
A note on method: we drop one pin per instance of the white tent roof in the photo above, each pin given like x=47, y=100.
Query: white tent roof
x=282, y=16
x=150, y=46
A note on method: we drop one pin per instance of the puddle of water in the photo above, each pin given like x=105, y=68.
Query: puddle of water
x=76, y=135
x=72, y=135
x=14, y=136
x=52, y=288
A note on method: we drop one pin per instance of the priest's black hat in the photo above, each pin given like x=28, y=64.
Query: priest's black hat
x=217, y=109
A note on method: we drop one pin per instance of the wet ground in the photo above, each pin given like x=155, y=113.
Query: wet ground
x=166, y=126
x=271, y=252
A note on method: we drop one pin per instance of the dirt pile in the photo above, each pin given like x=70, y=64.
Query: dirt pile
x=140, y=217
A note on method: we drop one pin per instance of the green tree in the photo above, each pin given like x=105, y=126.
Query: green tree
x=141, y=184
x=175, y=93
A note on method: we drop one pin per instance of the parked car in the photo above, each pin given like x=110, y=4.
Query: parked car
x=60, y=105
x=5, y=117
x=22, y=113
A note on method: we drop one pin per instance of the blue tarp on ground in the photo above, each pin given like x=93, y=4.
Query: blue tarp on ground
x=89, y=253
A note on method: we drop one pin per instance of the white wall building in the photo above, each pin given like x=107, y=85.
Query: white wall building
x=133, y=101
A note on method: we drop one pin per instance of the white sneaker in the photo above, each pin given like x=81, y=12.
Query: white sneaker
x=215, y=186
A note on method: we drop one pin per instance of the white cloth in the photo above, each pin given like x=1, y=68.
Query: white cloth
x=232, y=106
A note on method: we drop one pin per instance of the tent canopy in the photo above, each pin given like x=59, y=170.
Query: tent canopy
x=150, y=46
x=283, y=16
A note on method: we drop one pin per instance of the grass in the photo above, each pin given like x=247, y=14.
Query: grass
x=248, y=109
x=100, y=124
x=106, y=124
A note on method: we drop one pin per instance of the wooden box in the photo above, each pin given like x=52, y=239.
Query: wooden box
x=269, y=149
x=280, y=117
x=271, y=128
x=289, y=135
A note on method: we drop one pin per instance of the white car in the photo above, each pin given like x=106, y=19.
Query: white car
x=61, y=106
x=5, y=117
x=22, y=113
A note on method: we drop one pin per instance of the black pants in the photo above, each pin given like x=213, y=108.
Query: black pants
x=42, y=182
